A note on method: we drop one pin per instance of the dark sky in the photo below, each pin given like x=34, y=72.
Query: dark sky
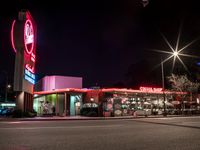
x=100, y=40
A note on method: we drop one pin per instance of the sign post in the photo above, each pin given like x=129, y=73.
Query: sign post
x=23, y=39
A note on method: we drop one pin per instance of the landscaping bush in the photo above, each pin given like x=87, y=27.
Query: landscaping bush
x=30, y=114
x=90, y=112
x=17, y=113
x=83, y=111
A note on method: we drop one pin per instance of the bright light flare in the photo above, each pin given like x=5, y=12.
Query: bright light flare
x=176, y=52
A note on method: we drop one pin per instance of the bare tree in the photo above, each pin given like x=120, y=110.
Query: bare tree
x=182, y=84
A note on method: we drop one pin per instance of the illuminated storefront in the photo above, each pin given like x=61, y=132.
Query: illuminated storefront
x=107, y=102
x=59, y=102
x=145, y=101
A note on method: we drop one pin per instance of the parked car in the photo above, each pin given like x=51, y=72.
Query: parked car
x=6, y=111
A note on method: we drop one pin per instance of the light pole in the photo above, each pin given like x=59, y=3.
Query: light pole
x=6, y=91
x=91, y=100
x=163, y=87
x=174, y=54
x=6, y=85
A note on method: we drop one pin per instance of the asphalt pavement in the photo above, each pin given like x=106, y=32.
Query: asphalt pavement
x=175, y=133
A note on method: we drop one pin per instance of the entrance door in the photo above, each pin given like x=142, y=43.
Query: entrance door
x=75, y=104
x=77, y=108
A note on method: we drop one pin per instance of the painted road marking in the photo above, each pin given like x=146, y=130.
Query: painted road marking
x=191, y=117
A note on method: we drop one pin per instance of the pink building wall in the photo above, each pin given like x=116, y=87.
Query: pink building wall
x=49, y=83
x=68, y=82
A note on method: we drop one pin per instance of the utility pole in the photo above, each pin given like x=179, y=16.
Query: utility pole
x=6, y=90
x=6, y=84
x=163, y=87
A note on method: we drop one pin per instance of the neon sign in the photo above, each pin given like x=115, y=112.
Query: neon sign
x=28, y=36
x=30, y=68
x=150, y=89
x=12, y=36
x=29, y=45
x=8, y=104
x=23, y=39
x=29, y=76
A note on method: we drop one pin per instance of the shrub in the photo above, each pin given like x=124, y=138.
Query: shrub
x=90, y=112
x=17, y=113
x=30, y=113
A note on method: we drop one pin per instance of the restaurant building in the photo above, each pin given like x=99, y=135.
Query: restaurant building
x=64, y=96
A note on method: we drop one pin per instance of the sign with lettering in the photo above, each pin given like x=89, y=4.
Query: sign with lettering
x=23, y=39
x=150, y=89
x=29, y=76
x=28, y=36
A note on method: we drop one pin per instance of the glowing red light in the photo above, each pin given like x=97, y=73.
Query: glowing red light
x=107, y=90
x=30, y=68
x=33, y=57
x=12, y=36
x=28, y=37
x=150, y=89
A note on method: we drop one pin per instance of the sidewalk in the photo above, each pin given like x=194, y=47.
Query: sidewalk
x=89, y=118
x=63, y=118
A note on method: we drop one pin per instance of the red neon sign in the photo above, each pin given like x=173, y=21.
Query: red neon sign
x=150, y=89
x=25, y=41
x=29, y=44
x=12, y=36
x=33, y=57
x=28, y=36
x=30, y=68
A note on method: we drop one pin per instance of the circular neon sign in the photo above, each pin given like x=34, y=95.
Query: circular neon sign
x=12, y=36
x=28, y=36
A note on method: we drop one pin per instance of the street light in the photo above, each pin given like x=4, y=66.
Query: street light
x=175, y=53
x=92, y=100
x=8, y=86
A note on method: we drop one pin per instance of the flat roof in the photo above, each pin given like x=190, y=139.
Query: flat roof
x=111, y=90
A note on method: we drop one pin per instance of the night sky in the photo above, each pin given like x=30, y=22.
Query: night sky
x=106, y=42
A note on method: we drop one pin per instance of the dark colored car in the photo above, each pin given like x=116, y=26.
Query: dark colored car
x=6, y=111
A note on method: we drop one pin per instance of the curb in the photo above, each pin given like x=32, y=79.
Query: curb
x=72, y=119
x=91, y=118
x=67, y=119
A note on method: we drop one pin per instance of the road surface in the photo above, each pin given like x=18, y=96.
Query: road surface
x=126, y=134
